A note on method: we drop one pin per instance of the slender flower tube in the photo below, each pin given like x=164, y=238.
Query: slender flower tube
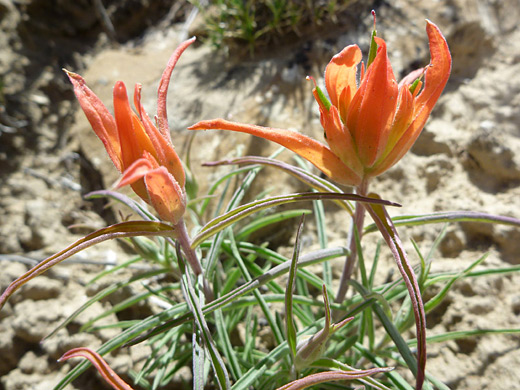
x=141, y=151
x=368, y=126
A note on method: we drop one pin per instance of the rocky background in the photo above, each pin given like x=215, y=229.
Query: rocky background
x=468, y=157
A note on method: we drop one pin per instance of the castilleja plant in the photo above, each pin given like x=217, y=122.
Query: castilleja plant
x=369, y=126
x=370, y=121
x=145, y=156
x=142, y=152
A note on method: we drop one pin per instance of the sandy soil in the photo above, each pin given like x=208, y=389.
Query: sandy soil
x=468, y=158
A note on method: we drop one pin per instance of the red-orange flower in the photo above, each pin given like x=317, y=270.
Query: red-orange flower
x=370, y=126
x=142, y=152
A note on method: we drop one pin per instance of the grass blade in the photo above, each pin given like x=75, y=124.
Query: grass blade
x=119, y=230
x=227, y=219
x=202, y=327
x=290, y=328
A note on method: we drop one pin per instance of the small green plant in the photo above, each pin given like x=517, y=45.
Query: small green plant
x=256, y=24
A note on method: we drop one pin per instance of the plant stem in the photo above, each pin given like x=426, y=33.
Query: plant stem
x=185, y=242
x=357, y=223
x=191, y=257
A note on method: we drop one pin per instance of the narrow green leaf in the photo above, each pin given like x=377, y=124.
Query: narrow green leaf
x=449, y=216
x=125, y=304
x=227, y=219
x=319, y=213
x=120, y=230
x=386, y=227
x=262, y=222
x=398, y=381
x=462, y=334
x=306, y=260
x=136, y=207
x=375, y=263
x=100, y=295
x=312, y=180
x=202, y=329
x=290, y=328
x=231, y=280
x=216, y=245
x=263, y=305
x=439, y=297
x=224, y=340
x=123, y=338
x=199, y=359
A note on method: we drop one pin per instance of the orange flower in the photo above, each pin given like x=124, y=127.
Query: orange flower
x=370, y=126
x=142, y=152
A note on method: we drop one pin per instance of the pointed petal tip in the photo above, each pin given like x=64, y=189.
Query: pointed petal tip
x=119, y=86
x=210, y=124
x=73, y=77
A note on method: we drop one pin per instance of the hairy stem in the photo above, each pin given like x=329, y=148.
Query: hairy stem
x=191, y=257
x=357, y=224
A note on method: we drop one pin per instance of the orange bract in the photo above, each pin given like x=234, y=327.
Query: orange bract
x=142, y=152
x=368, y=127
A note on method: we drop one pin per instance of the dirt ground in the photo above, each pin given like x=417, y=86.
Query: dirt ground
x=468, y=158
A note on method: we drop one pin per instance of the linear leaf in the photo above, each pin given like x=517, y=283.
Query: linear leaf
x=387, y=229
x=314, y=181
x=290, y=328
x=193, y=302
x=227, y=219
x=449, y=216
x=119, y=230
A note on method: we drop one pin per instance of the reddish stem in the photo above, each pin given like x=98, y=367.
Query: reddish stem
x=185, y=242
x=357, y=223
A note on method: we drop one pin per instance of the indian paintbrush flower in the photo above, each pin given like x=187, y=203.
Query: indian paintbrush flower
x=369, y=125
x=140, y=150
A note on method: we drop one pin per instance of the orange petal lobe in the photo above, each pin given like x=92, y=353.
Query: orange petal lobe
x=339, y=140
x=162, y=116
x=341, y=72
x=135, y=172
x=372, y=107
x=134, y=175
x=402, y=120
x=436, y=77
x=344, y=102
x=132, y=136
x=162, y=145
x=165, y=194
x=438, y=73
x=100, y=119
x=313, y=151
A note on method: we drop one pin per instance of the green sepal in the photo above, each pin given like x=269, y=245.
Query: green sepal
x=414, y=85
x=373, y=49
x=323, y=99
